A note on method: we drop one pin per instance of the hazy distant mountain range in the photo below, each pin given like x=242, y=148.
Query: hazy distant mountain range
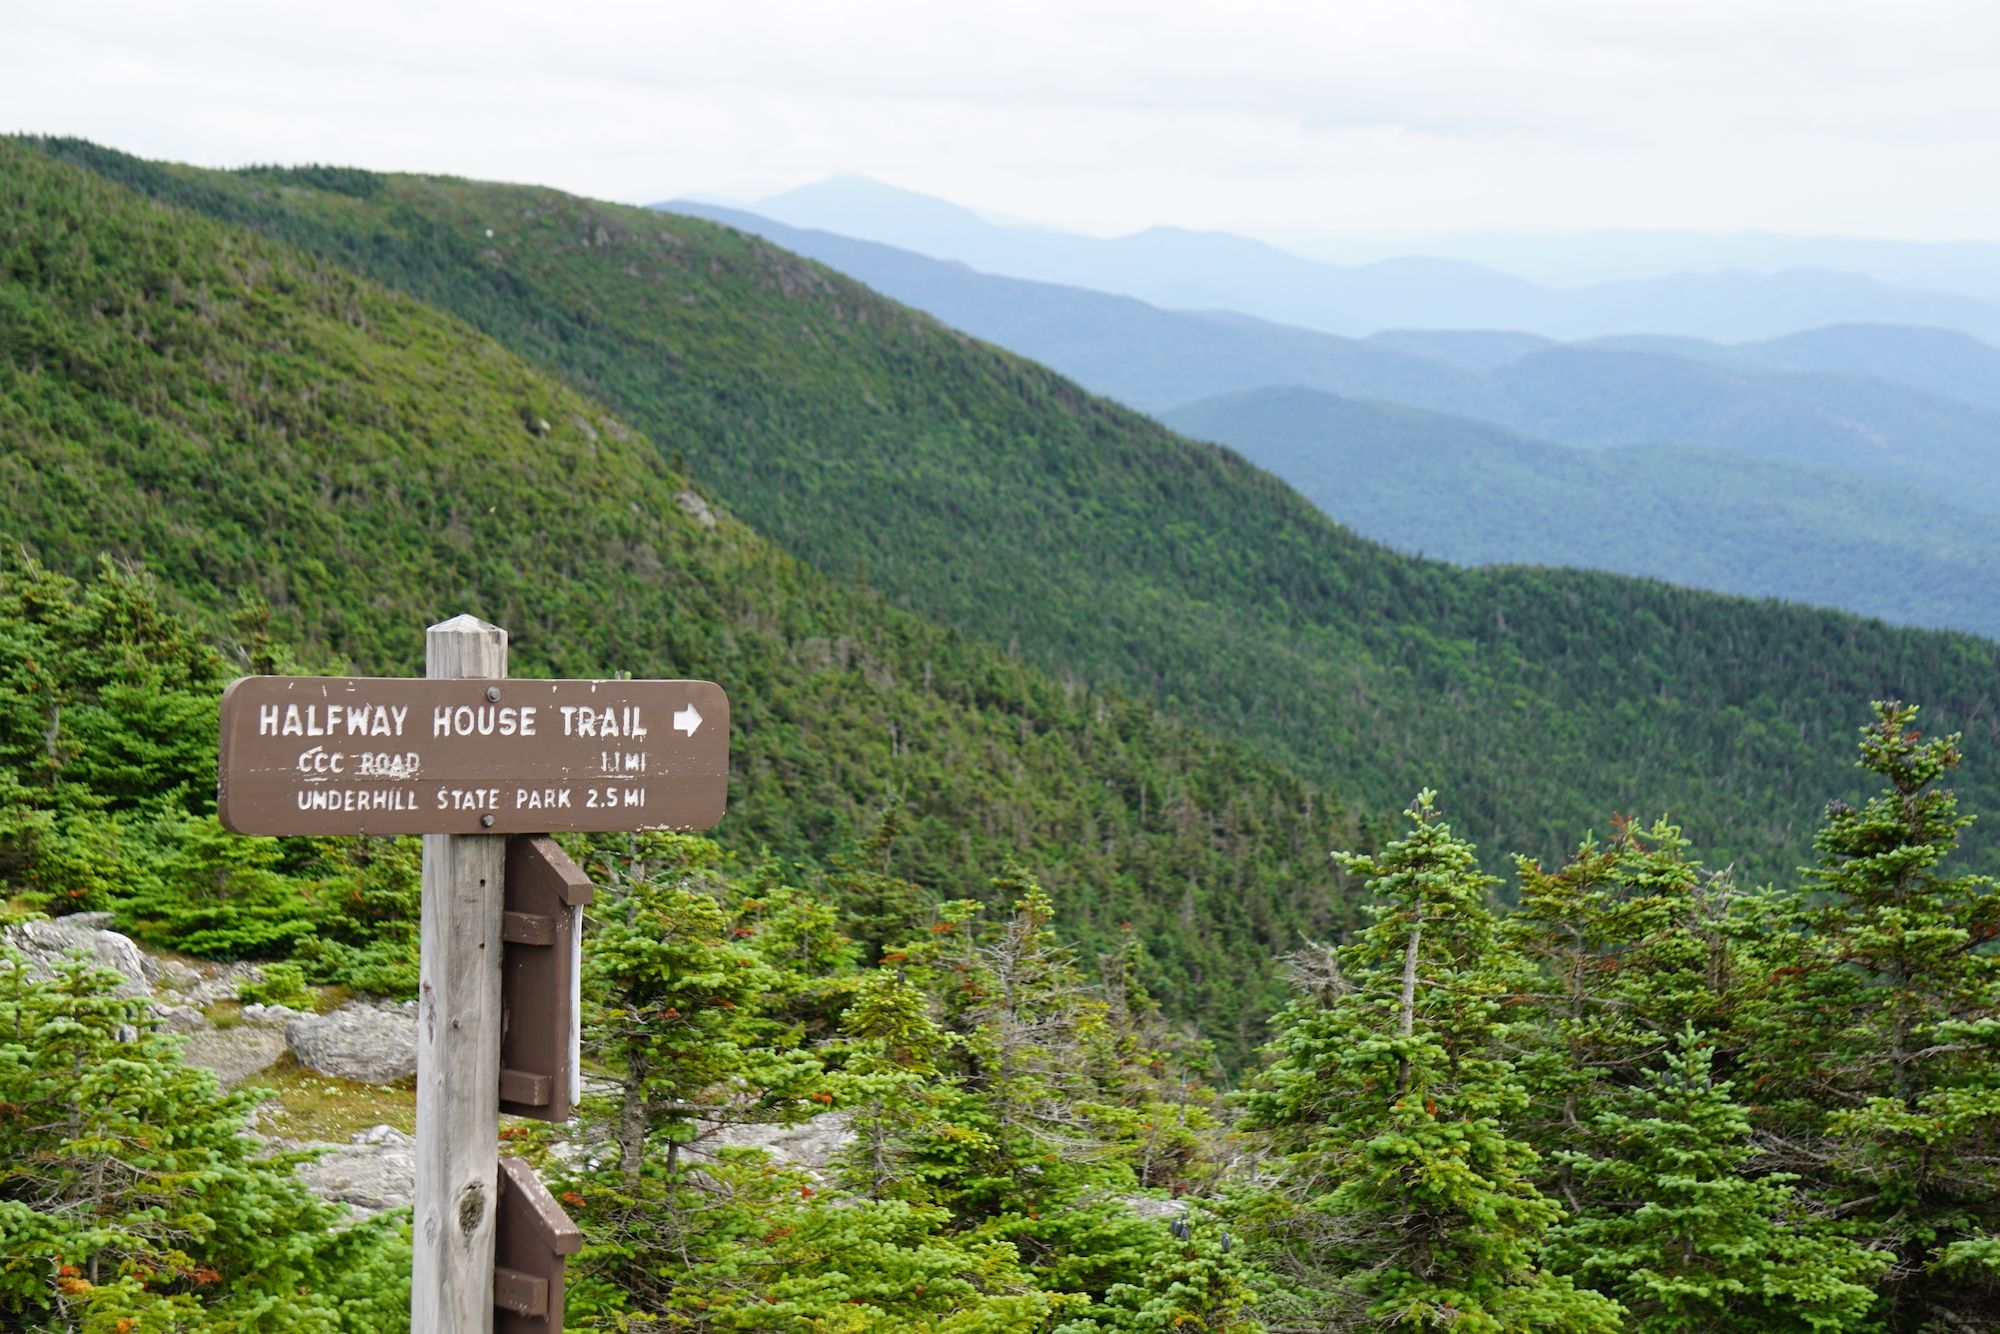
x=1947, y=287
x=1155, y=358
x=1797, y=398
x=1968, y=268
x=1798, y=466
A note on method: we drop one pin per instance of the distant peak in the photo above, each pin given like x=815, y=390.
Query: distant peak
x=851, y=185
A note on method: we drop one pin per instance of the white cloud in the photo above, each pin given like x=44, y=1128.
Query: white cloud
x=1417, y=115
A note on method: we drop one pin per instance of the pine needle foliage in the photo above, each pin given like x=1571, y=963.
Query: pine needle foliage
x=1402, y=1199
x=1687, y=1237
x=1876, y=1046
x=132, y=1199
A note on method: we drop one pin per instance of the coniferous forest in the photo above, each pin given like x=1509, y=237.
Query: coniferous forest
x=1150, y=952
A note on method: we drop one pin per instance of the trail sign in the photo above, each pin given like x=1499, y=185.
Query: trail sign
x=461, y=756
x=391, y=755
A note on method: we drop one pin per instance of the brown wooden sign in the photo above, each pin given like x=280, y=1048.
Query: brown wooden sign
x=389, y=755
x=541, y=968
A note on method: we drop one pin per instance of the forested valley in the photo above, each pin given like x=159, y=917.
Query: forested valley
x=1127, y=1001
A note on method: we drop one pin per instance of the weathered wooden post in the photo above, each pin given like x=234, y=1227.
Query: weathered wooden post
x=458, y=1037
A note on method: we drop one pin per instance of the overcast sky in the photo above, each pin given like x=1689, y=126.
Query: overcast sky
x=1281, y=119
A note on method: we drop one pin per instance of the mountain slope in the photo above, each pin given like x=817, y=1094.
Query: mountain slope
x=1475, y=350
x=994, y=495
x=1120, y=346
x=1628, y=391
x=1475, y=494
x=1602, y=397
x=241, y=417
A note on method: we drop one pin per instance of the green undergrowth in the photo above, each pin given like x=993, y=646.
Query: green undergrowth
x=302, y=1104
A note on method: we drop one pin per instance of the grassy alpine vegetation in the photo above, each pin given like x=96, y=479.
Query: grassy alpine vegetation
x=314, y=469
x=995, y=497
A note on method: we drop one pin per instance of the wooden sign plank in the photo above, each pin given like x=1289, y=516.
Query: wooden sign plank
x=392, y=755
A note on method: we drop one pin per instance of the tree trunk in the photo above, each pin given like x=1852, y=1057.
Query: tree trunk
x=632, y=1124
x=1406, y=1023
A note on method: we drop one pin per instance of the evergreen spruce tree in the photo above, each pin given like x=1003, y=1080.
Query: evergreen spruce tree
x=1686, y=1238
x=1402, y=1200
x=1876, y=1049
x=878, y=909
x=670, y=991
x=891, y=1086
x=131, y=1199
x=1624, y=946
x=986, y=1077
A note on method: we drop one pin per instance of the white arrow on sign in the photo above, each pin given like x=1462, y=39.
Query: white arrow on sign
x=687, y=720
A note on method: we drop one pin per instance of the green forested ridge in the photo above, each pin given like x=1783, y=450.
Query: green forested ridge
x=1477, y=494
x=325, y=465
x=998, y=498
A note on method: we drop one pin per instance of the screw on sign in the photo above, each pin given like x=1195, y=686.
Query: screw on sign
x=464, y=756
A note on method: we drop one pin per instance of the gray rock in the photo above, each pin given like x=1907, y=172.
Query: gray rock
x=253, y=1013
x=377, y=1170
x=372, y=1042
x=224, y=983
x=811, y=1145
x=1150, y=1206
x=234, y=1054
x=199, y=983
x=169, y=973
x=181, y=1018
x=46, y=944
x=695, y=508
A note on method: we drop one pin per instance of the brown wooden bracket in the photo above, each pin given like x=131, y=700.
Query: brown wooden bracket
x=531, y=1237
x=522, y=1087
x=522, y=1294
x=541, y=917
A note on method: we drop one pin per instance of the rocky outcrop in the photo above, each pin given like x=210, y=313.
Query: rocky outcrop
x=695, y=508
x=810, y=1145
x=46, y=945
x=253, y=1013
x=372, y=1042
x=199, y=984
x=234, y=1054
x=374, y=1171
